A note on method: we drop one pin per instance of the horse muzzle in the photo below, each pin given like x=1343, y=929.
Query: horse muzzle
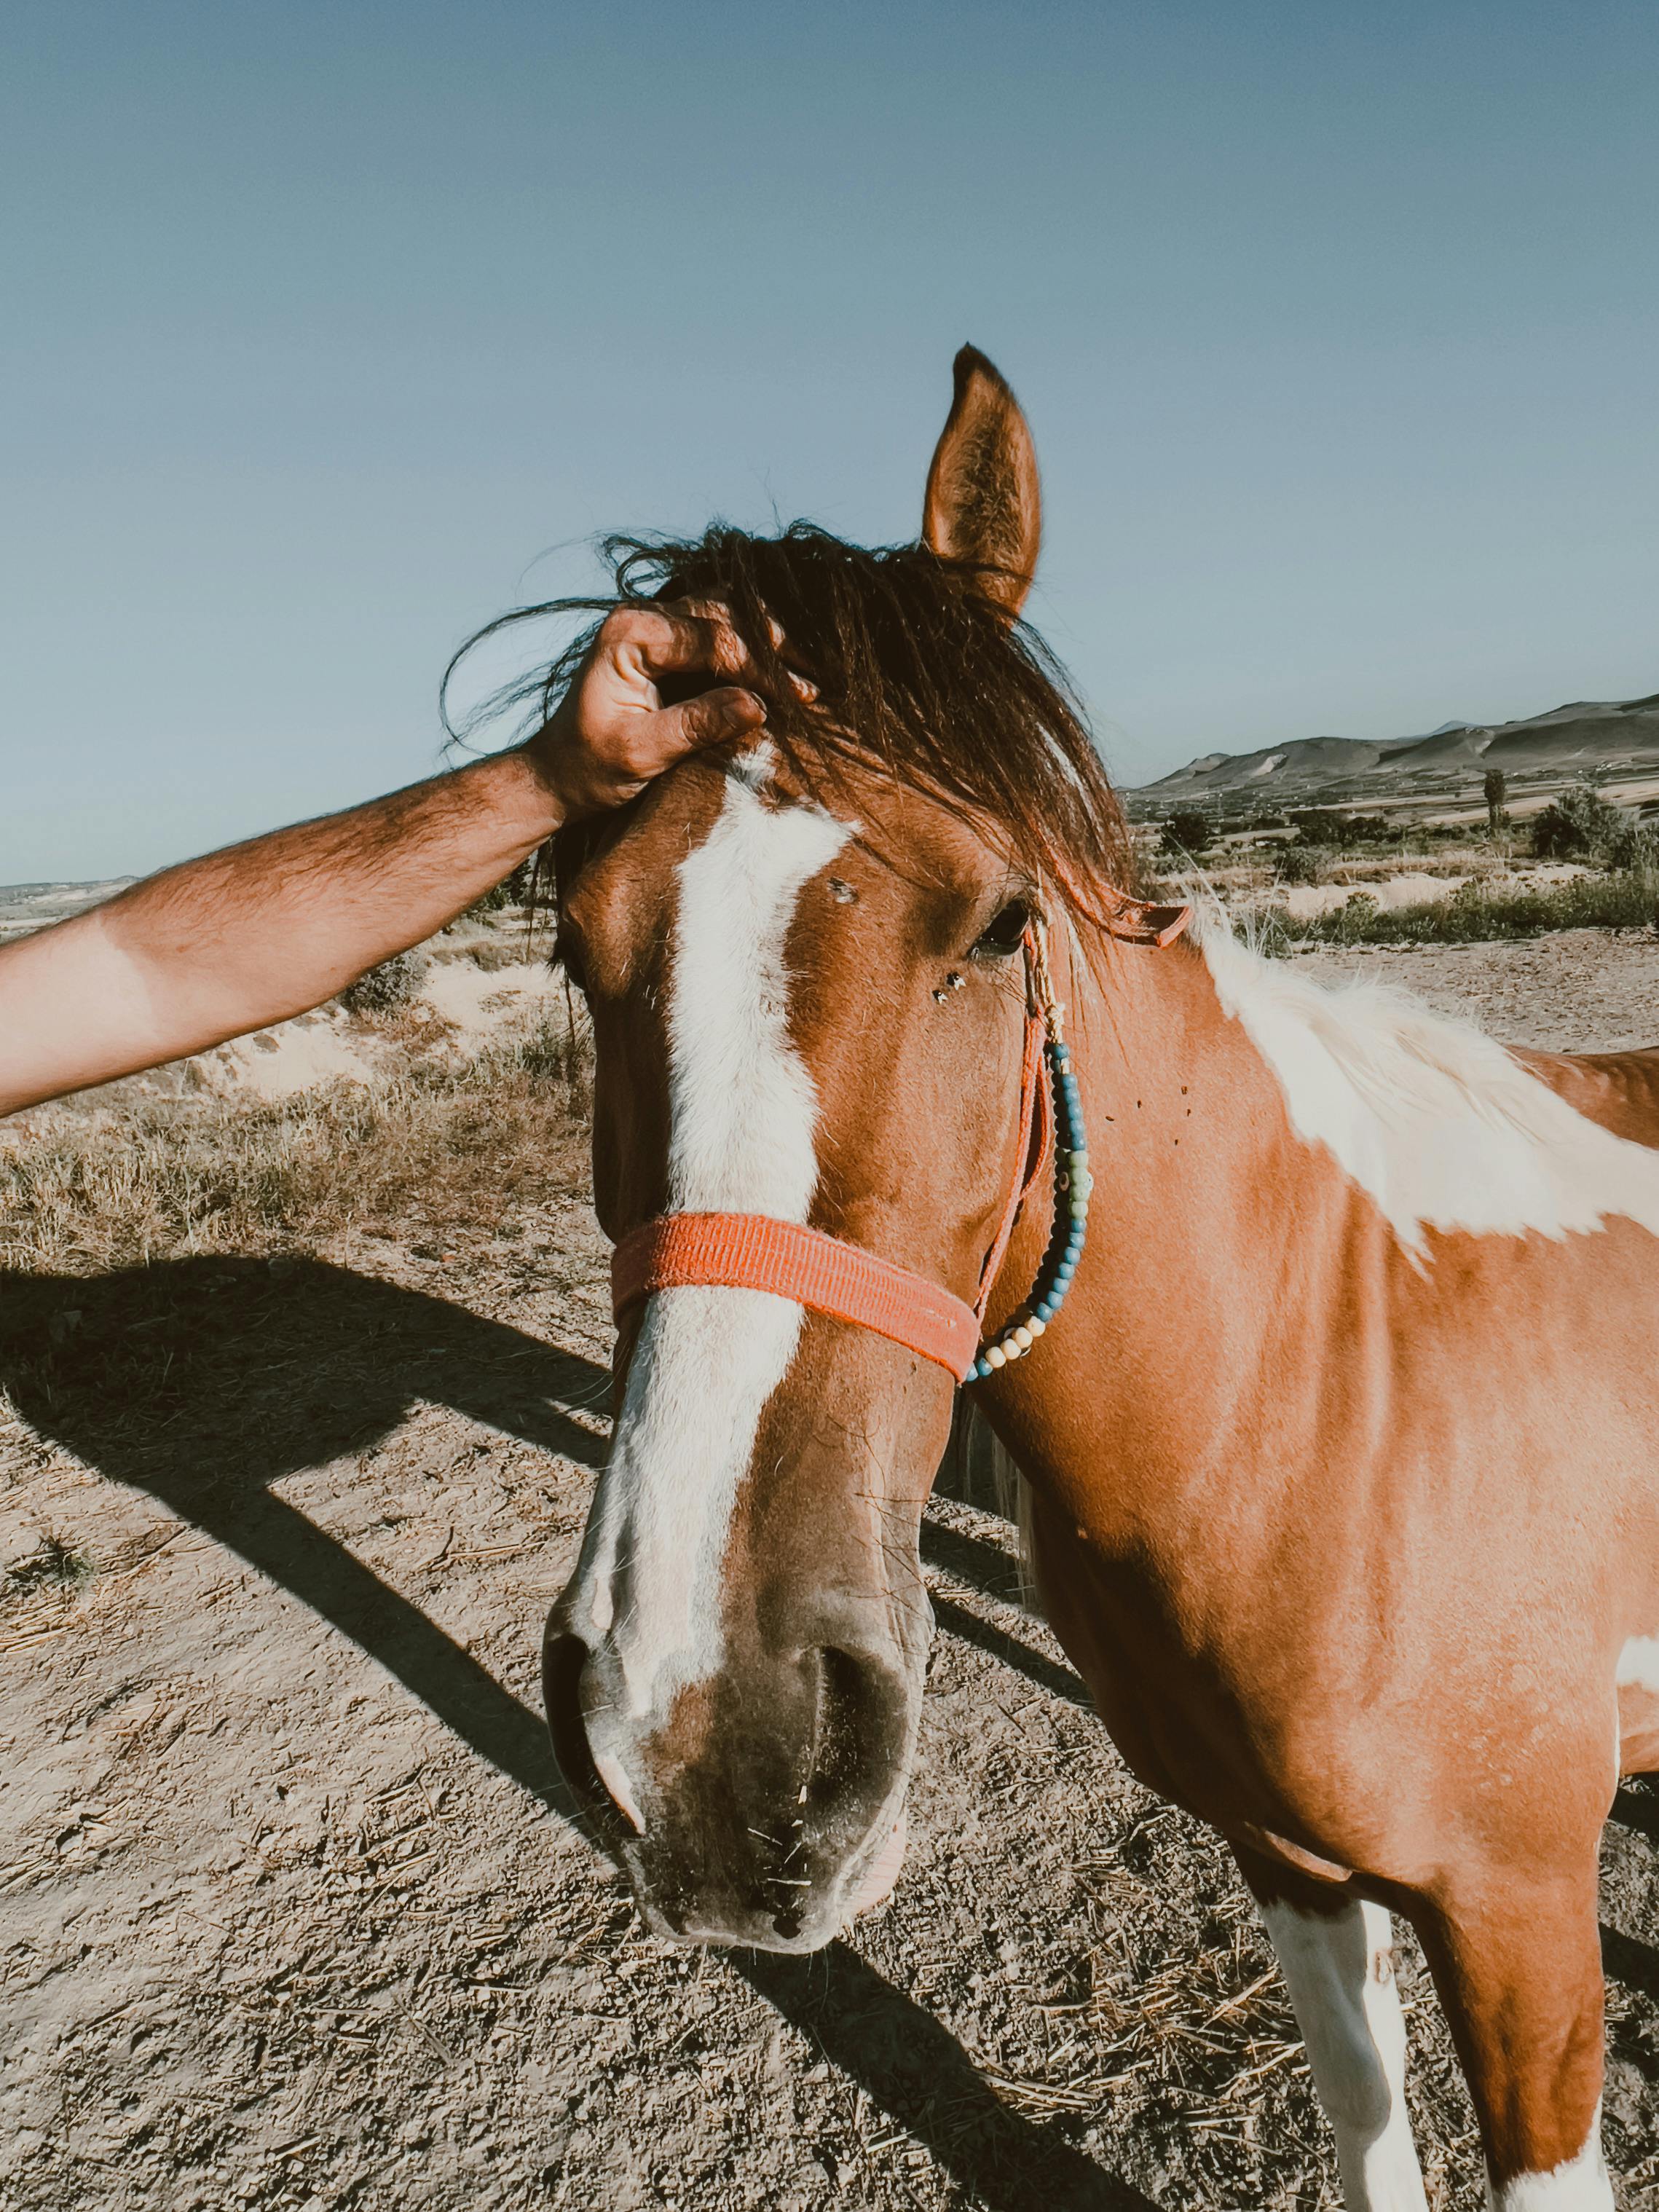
x=762, y=1805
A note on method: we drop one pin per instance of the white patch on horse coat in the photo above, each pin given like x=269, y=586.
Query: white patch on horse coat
x=1437, y=1122
x=1339, y=1969
x=1577, y=2185
x=742, y=1111
x=1638, y=1664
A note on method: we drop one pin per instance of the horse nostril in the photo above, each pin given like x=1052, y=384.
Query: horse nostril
x=596, y=1778
x=563, y=1658
x=853, y=1698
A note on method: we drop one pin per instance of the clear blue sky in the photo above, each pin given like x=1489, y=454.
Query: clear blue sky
x=1338, y=325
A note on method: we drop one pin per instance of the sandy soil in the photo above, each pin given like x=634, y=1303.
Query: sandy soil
x=1580, y=990
x=291, y=1914
x=463, y=1005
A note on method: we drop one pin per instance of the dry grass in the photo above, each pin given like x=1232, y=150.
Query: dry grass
x=100, y=1184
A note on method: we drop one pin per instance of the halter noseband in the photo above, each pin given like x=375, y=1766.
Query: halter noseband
x=754, y=1252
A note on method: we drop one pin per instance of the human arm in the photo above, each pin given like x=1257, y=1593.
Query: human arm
x=259, y=931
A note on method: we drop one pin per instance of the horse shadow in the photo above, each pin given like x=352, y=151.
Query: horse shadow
x=205, y=1382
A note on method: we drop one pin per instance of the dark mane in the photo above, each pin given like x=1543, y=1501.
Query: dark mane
x=914, y=667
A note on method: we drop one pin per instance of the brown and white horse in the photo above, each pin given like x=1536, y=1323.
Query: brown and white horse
x=1343, y=1456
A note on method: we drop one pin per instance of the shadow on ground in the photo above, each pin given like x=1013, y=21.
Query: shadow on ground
x=204, y=1382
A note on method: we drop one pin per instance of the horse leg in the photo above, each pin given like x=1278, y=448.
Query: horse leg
x=1518, y=1966
x=1336, y=1953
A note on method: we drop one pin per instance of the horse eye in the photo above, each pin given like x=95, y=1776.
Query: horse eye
x=1007, y=932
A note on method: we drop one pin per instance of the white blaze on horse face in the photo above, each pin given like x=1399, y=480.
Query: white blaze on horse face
x=742, y=1113
x=1579, y=2184
x=1339, y=1969
x=1437, y=1122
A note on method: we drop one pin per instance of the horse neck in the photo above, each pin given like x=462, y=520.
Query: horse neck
x=1206, y=1213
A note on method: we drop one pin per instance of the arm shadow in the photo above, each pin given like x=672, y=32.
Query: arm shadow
x=205, y=1382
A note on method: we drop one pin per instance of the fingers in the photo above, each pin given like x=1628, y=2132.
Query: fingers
x=709, y=719
x=683, y=639
x=803, y=691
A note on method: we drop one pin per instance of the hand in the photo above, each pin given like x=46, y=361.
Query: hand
x=611, y=734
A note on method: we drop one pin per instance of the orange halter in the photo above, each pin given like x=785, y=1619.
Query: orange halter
x=754, y=1252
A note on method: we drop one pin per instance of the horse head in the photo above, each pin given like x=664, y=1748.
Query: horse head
x=804, y=964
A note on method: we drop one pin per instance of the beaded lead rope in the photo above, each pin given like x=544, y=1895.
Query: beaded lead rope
x=1072, y=1181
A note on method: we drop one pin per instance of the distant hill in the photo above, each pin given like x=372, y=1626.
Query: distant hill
x=24, y=907
x=1614, y=738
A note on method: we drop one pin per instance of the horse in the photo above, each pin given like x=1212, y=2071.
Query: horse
x=1320, y=1327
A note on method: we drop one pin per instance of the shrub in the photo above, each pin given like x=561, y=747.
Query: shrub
x=1356, y=918
x=1298, y=864
x=1581, y=823
x=384, y=989
x=1185, y=835
x=1324, y=825
x=1556, y=835
x=1476, y=911
x=1631, y=844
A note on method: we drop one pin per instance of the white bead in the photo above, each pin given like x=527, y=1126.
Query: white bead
x=1035, y=1326
x=1022, y=1337
x=995, y=1354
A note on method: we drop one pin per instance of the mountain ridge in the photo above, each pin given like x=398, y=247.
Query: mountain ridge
x=1580, y=736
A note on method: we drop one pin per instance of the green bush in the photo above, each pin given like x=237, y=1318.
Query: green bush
x=1356, y=918
x=1557, y=837
x=389, y=987
x=1582, y=825
x=1185, y=835
x=1626, y=900
x=1328, y=828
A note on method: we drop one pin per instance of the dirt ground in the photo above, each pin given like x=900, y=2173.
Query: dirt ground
x=291, y=1911
x=1580, y=990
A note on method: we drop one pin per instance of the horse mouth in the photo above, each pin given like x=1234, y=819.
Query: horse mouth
x=714, y=1863
x=885, y=1868
x=782, y=1918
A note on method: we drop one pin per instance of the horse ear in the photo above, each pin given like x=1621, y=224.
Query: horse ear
x=983, y=503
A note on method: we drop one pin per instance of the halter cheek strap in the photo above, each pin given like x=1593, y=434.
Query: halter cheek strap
x=754, y=1252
